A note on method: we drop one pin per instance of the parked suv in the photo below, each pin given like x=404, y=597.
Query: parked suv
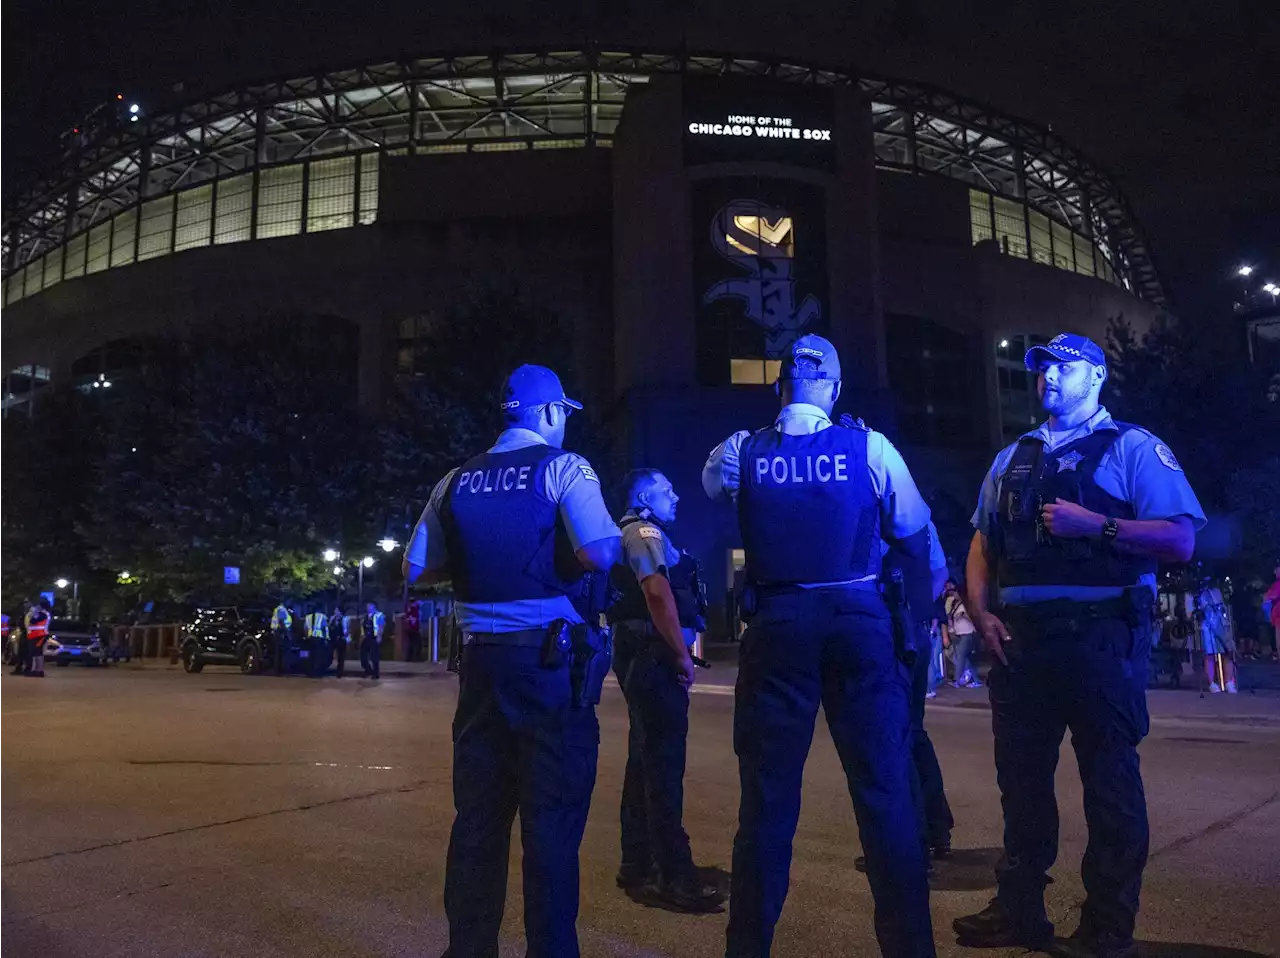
x=71, y=640
x=230, y=635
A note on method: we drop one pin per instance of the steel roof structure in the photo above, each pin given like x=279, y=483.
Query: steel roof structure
x=537, y=100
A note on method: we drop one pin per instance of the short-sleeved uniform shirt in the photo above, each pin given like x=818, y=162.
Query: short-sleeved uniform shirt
x=1138, y=469
x=648, y=550
x=903, y=511
x=572, y=484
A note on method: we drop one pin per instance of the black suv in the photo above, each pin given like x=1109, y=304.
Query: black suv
x=230, y=635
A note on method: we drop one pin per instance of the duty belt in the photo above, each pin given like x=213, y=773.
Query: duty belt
x=522, y=638
x=1133, y=607
x=768, y=590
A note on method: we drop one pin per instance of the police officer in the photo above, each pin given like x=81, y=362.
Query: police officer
x=375, y=623
x=281, y=634
x=339, y=636
x=21, y=648
x=1071, y=522
x=813, y=500
x=654, y=618
x=317, y=624
x=37, y=622
x=920, y=600
x=514, y=528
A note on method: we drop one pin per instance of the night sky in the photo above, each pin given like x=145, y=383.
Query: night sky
x=1178, y=100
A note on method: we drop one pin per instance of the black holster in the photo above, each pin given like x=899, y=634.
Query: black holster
x=591, y=656
x=748, y=600
x=905, y=646
x=452, y=639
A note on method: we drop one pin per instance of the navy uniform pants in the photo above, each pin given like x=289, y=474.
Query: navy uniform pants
x=371, y=656
x=1089, y=676
x=518, y=745
x=931, y=797
x=653, y=787
x=833, y=648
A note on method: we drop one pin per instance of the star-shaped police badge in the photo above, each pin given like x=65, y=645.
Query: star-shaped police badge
x=1069, y=462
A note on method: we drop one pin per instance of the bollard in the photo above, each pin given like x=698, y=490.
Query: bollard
x=435, y=639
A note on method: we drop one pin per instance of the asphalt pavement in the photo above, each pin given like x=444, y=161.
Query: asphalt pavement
x=150, y=812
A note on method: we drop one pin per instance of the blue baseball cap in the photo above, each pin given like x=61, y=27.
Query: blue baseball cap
x=1067, y=348
x=810, y=357
x=533, y=385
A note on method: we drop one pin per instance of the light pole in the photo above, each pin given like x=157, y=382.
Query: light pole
x=73, y=607
x=365, y=563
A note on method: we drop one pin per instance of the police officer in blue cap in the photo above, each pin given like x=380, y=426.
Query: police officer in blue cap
x=1071, y=523
x=813, y=500
x=655, y=619
x=514, y=528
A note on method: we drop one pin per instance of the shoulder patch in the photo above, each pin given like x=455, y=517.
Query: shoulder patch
x=1166, y=456
x=650, y=532
x=589, y=473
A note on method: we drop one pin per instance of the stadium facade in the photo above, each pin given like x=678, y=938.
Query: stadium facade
x=689, y=214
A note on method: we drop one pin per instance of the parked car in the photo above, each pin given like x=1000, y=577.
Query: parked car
x=73, y=640
x=231, y=635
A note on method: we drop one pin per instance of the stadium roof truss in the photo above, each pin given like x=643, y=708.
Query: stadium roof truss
x=540, y=100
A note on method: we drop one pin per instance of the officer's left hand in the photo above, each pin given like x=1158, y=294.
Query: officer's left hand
x=1067, y=520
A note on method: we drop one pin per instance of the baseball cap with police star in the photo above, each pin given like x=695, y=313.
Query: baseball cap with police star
x=810, y=357
x=1066, y=348
x=533, y=385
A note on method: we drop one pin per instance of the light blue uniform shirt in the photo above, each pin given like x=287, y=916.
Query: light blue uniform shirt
x=1138, y=469
x=902, y=509
x=570, y=483
x=937, y=560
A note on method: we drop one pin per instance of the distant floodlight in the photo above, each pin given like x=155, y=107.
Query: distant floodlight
x=367, y=562
x=133, y=108
x=330, y=555
x=1004, y=344
x=61, y=583
x=133, y=448
x=106, y=384
x=388, y=544
x=96, y=384
x=133, y=119
x=1244, y=271
x=1271, y=288
x=337, y=570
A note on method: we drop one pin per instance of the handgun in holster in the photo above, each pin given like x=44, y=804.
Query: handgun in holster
x=700, y=598
x=904, y=638
x=591, y=656
x=453, y=644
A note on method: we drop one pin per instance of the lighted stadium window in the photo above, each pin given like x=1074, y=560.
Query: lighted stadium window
x=754, y=372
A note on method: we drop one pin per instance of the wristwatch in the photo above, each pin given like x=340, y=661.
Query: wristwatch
x=1109, y=530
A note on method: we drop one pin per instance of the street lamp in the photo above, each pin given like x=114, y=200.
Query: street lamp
x=61, y=583
x=337, y=570
x=330, y=555
x=1244, y=270
x=388, y=544
x=365, y=563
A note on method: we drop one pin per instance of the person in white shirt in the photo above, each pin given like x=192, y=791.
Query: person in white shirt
x=961, y=636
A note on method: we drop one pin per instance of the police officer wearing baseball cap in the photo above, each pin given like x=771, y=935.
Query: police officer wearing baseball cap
x=1071, y=523
x=515, y=528
x=813, y=500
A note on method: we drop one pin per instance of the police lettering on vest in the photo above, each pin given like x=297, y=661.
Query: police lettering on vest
x=779, y=470
x=494, y=479
x=798, y=490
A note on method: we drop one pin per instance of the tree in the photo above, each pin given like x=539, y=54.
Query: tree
x=451, y=409
x=243, y=450
x=1190, y=387
x=48, y=462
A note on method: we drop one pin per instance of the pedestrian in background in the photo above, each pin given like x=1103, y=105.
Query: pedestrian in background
x=961, y=635
x=413, y=630
x=281, y=630
x=375, y=623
